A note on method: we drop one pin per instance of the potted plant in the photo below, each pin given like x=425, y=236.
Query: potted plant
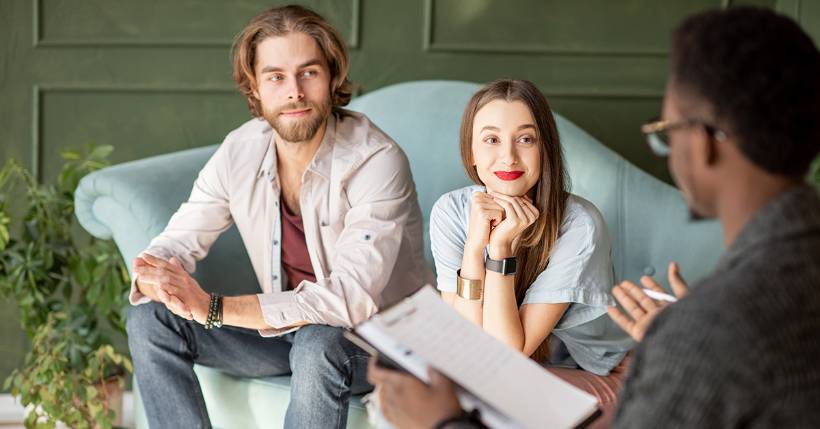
x=71, y=290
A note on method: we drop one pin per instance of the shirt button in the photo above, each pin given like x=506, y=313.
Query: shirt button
x=275, y=242
x=648, y=271
x=275, y=277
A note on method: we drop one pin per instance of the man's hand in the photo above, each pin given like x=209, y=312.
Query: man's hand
x=146, y=289
x=175, y=288
x=641, y=308
x=409, y=403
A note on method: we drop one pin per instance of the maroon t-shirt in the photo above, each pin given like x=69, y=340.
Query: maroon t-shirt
x=295, y=257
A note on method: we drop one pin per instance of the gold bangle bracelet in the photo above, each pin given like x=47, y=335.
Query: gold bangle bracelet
x=472, y=290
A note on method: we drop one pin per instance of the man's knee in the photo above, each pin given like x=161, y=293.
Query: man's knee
x=317, y=346
x=144, y=322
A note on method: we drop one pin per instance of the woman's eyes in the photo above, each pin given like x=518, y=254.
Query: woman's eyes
x=523, y=140
x=491, y=140
x=526, y=139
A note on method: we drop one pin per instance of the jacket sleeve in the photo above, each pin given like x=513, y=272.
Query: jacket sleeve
x=197, y=223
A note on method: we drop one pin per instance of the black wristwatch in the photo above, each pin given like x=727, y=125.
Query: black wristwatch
x=464, y=420
x=505, y=266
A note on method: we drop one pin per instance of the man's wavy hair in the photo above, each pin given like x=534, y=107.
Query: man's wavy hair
x=280, y=21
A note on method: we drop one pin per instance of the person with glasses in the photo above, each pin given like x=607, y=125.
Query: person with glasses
x=740, y=127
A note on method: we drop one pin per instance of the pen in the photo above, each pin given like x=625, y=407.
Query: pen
x=660, y=296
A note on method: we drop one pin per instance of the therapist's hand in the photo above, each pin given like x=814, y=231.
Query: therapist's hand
x=640, y=308
x=409, y=403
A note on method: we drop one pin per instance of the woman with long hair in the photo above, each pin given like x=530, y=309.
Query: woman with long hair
x=518, y=254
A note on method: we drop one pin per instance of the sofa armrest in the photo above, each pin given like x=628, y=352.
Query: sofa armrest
x=132, y=202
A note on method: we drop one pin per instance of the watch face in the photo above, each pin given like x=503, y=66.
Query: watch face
x=504, y=266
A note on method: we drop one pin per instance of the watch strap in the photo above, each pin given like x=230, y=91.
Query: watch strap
x=504, y=266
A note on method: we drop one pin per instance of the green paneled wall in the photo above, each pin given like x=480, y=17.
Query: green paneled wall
x=153, y=76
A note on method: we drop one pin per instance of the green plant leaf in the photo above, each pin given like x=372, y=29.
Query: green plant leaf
x=68, y=286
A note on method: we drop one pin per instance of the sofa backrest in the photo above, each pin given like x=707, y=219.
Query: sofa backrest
x=647, y=219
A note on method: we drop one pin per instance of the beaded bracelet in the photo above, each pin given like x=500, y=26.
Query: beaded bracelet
x=214, y=319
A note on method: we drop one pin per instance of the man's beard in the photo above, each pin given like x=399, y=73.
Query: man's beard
x=298, y=130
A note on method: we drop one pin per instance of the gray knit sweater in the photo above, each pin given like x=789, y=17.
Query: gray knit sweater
x=743, y=348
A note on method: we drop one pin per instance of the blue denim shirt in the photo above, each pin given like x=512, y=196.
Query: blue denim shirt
x=579, y=272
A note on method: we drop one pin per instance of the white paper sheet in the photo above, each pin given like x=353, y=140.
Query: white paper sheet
x=424, y=330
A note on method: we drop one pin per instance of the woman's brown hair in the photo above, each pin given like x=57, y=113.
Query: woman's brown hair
x=280, y=21
x=551, y=189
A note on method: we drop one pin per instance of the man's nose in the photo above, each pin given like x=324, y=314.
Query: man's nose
x=295, y=92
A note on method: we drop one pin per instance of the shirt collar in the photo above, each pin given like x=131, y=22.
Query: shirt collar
x=794, y=212
x=321, y=162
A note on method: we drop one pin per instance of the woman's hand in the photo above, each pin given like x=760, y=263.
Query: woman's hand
x=519, y=213
x=485, y=214
x=642, y=309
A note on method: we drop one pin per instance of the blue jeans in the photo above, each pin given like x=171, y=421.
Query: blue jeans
x=326, y=369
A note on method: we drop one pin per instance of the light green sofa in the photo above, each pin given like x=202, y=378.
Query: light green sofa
x=647, y=219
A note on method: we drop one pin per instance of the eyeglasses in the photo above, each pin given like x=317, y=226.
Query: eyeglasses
x=657, y=132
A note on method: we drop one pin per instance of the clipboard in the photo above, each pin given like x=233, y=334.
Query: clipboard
x=381, y=359
x=382, y=336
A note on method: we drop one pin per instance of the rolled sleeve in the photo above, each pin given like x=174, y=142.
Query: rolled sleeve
x=579, y=270
x=280, y=311
x=447, y=237
x=197, y=223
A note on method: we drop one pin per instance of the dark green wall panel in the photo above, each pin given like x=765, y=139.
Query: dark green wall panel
x=154, y=76
x=588, y=27
x=163, y=23
x=616, y=115
x=140, y=122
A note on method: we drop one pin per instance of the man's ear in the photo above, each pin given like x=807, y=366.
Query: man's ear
x=704, y=148
x=713, y=153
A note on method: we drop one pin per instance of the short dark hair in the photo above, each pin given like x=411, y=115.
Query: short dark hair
x=760, y=75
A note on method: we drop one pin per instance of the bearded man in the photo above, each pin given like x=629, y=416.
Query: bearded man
x=327, y=210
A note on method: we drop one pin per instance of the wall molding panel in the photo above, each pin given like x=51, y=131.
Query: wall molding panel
x=354, y=28
x=430, y=44
x=40, y=90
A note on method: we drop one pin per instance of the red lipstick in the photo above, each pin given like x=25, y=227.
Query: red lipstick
x=508, y=175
